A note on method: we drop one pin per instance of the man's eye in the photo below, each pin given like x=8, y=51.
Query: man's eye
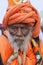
x=14, y=28
x=25, y=31
x=24, y=28
x=13, y=31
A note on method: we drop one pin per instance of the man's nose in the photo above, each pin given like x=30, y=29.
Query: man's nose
x=19, y=32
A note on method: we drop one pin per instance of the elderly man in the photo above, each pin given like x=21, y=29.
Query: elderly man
x=21, y=46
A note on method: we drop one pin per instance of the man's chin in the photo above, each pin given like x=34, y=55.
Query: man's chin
x=19, y=44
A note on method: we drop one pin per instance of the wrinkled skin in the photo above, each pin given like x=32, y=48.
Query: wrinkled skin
x=18, y=35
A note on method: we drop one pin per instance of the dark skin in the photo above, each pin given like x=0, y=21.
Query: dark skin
x=19, y=29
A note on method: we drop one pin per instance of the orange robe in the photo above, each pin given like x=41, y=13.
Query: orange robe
x=6, y=51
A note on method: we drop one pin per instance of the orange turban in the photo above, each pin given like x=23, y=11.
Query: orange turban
x=24, y=13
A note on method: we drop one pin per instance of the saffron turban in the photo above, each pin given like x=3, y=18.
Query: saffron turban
x=24, y=13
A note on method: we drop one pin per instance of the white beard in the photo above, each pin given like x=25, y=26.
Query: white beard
x=23, y=46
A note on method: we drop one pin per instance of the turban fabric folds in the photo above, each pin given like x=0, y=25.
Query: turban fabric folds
x=23, y=13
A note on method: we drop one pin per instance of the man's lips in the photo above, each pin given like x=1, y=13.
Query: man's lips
x=18, y=40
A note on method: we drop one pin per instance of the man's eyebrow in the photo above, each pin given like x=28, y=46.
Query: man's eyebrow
x=13, y=27
x=16, y=25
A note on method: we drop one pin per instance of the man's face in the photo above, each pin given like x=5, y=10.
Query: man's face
x=19, y=34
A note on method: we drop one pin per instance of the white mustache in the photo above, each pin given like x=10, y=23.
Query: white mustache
x=21, y=38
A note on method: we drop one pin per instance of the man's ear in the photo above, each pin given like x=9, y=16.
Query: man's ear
x=5, y=32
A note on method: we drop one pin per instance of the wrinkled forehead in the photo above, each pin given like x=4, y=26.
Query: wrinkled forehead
x=19, y=25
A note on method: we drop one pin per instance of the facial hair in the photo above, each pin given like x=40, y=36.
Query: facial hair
x=23, y=44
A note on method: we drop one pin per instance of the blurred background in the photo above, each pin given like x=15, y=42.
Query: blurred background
x=38, y=4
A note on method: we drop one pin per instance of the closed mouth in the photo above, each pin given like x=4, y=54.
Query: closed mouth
x=18, y=40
